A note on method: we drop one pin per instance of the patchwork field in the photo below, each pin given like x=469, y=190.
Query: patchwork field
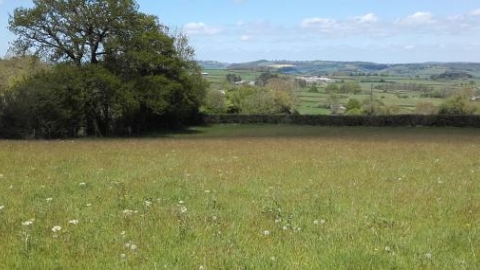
x=244, y=197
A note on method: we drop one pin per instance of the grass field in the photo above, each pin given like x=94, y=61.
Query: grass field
x=244, y=197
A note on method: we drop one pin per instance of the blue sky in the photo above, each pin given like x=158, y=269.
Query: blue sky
x=384, y=31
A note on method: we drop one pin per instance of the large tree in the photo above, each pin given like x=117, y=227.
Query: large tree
x=77, y=30
x=130, y=72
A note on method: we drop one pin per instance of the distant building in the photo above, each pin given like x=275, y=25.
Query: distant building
x=317, y=79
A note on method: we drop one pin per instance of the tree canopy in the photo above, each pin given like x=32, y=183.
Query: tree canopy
x=114, y=70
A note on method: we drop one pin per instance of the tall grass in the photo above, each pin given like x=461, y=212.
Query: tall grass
x=244, y=197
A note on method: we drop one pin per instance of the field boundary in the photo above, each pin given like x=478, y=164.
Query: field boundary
x=341, y=120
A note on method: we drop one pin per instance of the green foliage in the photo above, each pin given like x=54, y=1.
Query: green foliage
x=350, y=88
x=232, y=78
x=332, y=88
x=426, y=108
x=353, y=107
x=117, y=70
x=457, y=105
x=313, y=88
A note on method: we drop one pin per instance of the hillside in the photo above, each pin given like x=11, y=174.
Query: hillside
x=351, y=68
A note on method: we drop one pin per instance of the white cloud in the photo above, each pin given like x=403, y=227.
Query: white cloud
x=246, y=38
x=320, y=24
x=201, y=29
x=409, y=47
x=369, y=18
x=475, y=12
x=419, y=18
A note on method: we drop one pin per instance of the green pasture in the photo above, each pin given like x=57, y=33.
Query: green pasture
x=244, y=197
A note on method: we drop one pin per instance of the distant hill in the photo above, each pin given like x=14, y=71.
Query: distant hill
x=437, y=70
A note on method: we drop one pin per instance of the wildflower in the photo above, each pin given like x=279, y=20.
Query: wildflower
x=49, y=199
x=207, y=191
x=183, y=209
x=387, y=249
x=28, y=222
x=128, y=212
x=428, y=255
x=56, y=229
x=123, y=256
x=266, y=232
x=273, y=258
x=133, y=247
x=322, y=221
x=214, y=218
x=83, y=184
x=123, y=234
x=201, y=267
x=88, y=204
x=148, y=203
x=1, y=207
x=73, y=222
x=285, y=228
x=316, y=222
x=181, y=202
x=278, y=220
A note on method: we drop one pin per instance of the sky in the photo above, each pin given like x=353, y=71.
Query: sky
x=382, y=31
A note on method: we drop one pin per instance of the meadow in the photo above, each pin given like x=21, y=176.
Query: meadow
x=244, y=197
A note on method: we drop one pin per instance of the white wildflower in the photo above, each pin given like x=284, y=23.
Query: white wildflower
x=322, y=221
x=278, y=220
x=207, y=191
x=387, y=249
x=133, y=247
x=123, y=256
x=428, y=255
x=214, y=218
x=88, y=205
x=73, y=222
x=181, y=202
x=1, y=207
x=148, y=203
x=123, y=234
x=56, y=229
x=28, y=222
x=201, y=267
x=127, y=245
x=316, y=222
x=128, y=212
x=266, y=232
x=82, y=184
x=183, y=209
x=285, y=228
x=273, y=258
x=49, y=199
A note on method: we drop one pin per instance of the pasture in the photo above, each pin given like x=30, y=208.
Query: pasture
x=244, y=197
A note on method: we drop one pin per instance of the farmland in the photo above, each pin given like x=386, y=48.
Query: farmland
x=401, y=92
x=238, y=197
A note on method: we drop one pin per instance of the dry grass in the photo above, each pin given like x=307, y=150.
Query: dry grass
x=238, y=197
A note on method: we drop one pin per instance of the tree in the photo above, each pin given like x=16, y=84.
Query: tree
x=350, y=87
x=457, y=105
x=130, y=73
x=78, y=30
x=332, y=88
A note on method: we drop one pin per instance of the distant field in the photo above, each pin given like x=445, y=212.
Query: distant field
x=244, y=197
x=316, y=103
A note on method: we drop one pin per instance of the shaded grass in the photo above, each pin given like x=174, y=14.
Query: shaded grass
x=382, y=198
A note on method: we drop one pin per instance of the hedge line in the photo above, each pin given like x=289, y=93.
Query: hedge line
x=362, y=120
